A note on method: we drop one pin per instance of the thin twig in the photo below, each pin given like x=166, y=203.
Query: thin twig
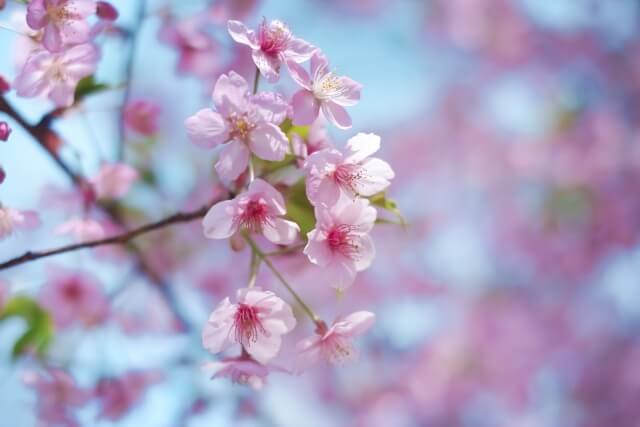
x=119, y=239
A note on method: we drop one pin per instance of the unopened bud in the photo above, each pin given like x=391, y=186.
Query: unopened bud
x=106, y=11
x=4, y=84
x=5, y=131
x=237, y=242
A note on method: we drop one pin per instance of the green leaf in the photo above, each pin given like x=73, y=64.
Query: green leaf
x=380, y=200
x=289, y=129
x=88, y=86
x=39, y=331
x=299, y=209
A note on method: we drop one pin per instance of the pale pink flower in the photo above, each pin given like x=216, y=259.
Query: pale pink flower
x=5, y=131
x=272, y=46
x=340, y=243
x=58, y=395
x=118, y=395
x=241, y=370
x=74, y=298
x=256, y=322
x=82, y=229
x=335, y=344
x=56, y=75
x=142, y=117
x=114, y=180
x=64, y=21
x=322, y=90
x=330, y=172
x=12, y=220
x=259, y=210
x=245, y=123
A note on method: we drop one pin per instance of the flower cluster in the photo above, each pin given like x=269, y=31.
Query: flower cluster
x=270, y=143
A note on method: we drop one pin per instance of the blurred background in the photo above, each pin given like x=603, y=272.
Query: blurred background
x=513, y=297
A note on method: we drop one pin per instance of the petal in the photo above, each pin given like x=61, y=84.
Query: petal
x=269, y=142
x=216, y=331
x=272, y=107
x=299, y=74
x=322, y=190
x=241, y=34
x=219, y=222
x=305, y=108
x=336, y=115
x=317, y=249
x=319, y=65
x=268, y=65
x=232, y=87
x=280, y=231
x=375, y=175
x=30, y=220
x=356, y=212
x=350, y=94
x=299, y=50
x=75, y=31
x=354, y=324
x=36, y=14
x=362, y=146
x=265, y=347
x=52, y=39
x=62, y=94
x=366, y=253
x=340, y=273
x=233, y=160
x=207, y=128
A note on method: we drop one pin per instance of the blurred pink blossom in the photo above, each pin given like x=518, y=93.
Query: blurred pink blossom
x=64, y=21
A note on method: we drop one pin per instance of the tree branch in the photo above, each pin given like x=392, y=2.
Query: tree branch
x=180, y=217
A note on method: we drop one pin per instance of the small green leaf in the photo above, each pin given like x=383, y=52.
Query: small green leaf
x=299, y=209
x=88, y=86
x=289, y=129
x=39, y=331
x=380, y=200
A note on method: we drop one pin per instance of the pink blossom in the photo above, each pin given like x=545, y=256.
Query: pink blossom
x=143, y=117
x=5, y=131
x=256, y=322
x=340, y=243
x=322, y=90
x=13, y=219
x=331, y=172
x=56, y=75
x=74, y=298
x=259, y=210
x=334, y=344
x=272, y=46
x=118, y=395
x=113, y=181
x=58, y=396
x=82, y=229
x=245, y=123
x=241, y=370
x=64, y=21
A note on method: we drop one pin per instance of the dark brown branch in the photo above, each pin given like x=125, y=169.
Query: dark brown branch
x=119, y=239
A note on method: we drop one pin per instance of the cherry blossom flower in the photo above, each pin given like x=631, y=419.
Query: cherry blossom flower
x=5, y=131
x=56, y=74
x=245, y=123
x=331, y=172
x=272, y=46
x=241, y=370
x=113, y=181
x=82, y=229
x=340, y=243
x=322, y=90
x=12, y=220
x=74, y=298
x=64, y=21
x=334, y=344
x=58, y=395
x=259, y=210
x=118, y=395
x=256, y=322
x=142, y=116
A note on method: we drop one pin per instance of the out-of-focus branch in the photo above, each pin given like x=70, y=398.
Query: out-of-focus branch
x=177, y=218
x=133, y=40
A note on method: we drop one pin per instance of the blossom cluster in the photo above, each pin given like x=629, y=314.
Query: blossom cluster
x=252, y=129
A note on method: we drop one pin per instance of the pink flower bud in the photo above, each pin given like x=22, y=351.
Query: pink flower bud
x=3, y=175
x=106, y=11
x=5, y=131
x=4, y=84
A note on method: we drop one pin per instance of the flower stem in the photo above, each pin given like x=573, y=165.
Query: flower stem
x=256, y=81
x=253, y=269
x=258, y=252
